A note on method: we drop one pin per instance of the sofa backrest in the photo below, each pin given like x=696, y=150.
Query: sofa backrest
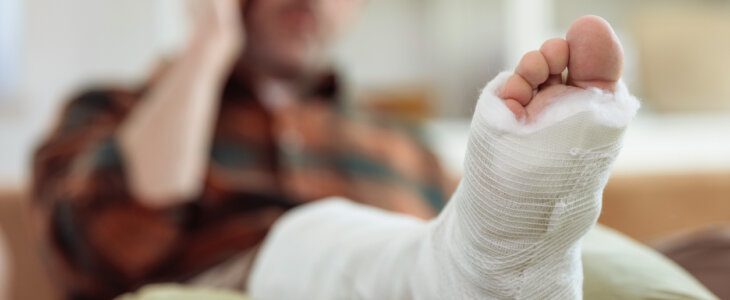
x=26, y=276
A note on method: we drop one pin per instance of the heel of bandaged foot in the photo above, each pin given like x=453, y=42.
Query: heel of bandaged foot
x=529, y=194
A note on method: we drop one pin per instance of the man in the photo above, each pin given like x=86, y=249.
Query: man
x=189, y=172
x=187, y=175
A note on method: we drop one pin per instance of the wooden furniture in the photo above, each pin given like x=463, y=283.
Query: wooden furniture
x=28, y=279
x=653, y=207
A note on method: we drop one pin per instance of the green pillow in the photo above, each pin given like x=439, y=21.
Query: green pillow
x=179, y=292
x=616, y=267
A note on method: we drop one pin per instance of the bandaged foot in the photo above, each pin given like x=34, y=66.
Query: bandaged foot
x=539, y=154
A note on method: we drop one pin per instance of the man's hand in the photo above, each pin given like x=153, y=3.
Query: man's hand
x=167, y=137
x=218, y=32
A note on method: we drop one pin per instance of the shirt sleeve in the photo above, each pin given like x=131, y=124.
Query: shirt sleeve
x=98, y=238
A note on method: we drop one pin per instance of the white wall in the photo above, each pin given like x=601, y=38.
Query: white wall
x=66, y=45
x=9, y=37
x=453, y=46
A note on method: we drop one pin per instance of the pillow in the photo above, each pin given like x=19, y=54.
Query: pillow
x=616, y=267
x=179, y=292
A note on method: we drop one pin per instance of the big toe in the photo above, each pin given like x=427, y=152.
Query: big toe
x=596, y=55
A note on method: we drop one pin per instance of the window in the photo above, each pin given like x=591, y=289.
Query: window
x=10, y=33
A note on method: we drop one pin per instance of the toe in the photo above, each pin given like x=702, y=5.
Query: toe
x=516, y=108
x=552, y=80
x=518, y=89
x=556, y=53
x=533, y=68
x=596, y=56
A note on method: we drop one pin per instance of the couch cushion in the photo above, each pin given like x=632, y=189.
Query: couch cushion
x=616, y=267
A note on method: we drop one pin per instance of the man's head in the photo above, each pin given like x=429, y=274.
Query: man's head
x=292, y=36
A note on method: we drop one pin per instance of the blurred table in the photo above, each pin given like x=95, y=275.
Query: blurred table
x=672, y=176
x=676, y=143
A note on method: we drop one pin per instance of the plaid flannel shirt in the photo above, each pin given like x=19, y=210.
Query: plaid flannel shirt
x=101, y=242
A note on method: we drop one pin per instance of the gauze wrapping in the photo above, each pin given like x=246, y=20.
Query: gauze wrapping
x=512, y=230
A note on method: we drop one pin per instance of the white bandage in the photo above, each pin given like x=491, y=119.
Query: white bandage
x=512, y=230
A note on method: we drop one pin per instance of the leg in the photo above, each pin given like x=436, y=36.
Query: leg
x=538, y=158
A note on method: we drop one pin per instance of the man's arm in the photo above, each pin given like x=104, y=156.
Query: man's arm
x=104, y=235
x=166, y=139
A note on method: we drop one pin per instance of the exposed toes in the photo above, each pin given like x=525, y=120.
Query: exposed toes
x=517, y=89
x=591, y=55
x=596, y=55
x=556, y=53
x=533, y=68
x=552, y=80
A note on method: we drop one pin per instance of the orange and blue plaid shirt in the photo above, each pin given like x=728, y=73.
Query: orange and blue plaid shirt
x=101, y=242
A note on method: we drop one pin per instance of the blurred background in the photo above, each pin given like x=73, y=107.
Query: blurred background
x=421, y=60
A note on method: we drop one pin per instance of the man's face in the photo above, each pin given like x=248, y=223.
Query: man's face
x=292, y=35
